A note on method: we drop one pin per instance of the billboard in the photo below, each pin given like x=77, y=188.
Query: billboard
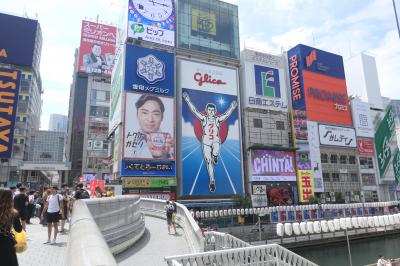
x=271, y=165
x=147, y=182
x=396, y=165
x=117, y=87
x=97, y=48
x=211, y=153
x=299, y=123
x=365, y=146
x=318, y=85
x=383, y=135
x=264, y=82
x=337, y=136
x=305, y=185
x=152, y=21
x=315, y=156
x=149, y=71
x=17, y=40
x=9, y=90
x=362, y=120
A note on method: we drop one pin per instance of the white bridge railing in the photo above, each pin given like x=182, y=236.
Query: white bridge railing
x=266, y=255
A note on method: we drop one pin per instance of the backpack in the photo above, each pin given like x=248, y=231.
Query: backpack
x=85, y=194
x=170, y=208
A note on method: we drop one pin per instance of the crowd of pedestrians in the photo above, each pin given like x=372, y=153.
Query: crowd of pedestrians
x=53, y=207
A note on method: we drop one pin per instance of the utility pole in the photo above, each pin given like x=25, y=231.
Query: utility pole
x=397, y=19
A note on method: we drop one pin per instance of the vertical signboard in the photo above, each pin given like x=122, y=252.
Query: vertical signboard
x=362, y=119
x=383, y=135
x=296, y=79
x=299, y=122
x=116, y=94
x=97, y=49
x=305, y=185
x=152, y=21
x=315, y=155
x=396, y=165
x=211, y=154
x=9, y=90
x=149, y=120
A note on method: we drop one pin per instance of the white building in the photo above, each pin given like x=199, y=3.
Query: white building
x=58, y=123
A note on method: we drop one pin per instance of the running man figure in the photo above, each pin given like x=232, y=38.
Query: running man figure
x=211, y=141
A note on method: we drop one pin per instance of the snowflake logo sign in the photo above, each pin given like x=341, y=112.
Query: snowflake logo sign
x=150, y=68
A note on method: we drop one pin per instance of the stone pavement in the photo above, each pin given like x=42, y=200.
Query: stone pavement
x=39, y=254
x=155, y=244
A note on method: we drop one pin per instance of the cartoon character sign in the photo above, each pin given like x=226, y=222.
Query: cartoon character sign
x=210, y=143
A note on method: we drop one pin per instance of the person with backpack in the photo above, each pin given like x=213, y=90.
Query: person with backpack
x=170, y=209
x=54, y=205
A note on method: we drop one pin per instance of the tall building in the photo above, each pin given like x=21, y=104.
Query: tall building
x=58, y=123
x=86, y=144
x=20, y=52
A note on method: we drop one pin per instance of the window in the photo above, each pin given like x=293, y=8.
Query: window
x=257, y=123
x=280, y=125
x=326, y=177
x=333, y=158
x=343, y=177
x=352, y=159
x=368, y=179
x=335, y=177
x=343, y=159
x=354, y=177
x=324, y=158
x=366, y=163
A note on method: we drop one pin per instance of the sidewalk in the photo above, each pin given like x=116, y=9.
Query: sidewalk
x=39, y=254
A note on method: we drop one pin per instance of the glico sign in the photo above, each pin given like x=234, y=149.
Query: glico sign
x=318, y=85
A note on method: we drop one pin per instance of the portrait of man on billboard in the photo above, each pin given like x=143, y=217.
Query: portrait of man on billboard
x=95, y=62
x=211, y=142
x=149, y=132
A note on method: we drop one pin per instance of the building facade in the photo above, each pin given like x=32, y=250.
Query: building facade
x=58, y=123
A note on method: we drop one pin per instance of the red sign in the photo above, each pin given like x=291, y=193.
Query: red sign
x=97, y=49
x=365, y=146
x=96, y=183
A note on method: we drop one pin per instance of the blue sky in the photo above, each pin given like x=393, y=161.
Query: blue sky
x=339, y=26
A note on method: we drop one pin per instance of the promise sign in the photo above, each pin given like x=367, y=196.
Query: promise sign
x=382, y=140
x=9, y=90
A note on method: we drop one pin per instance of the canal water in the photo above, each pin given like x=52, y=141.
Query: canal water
x=363, y=252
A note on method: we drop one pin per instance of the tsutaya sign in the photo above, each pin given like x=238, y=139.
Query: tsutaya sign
x=337, y=136
x=382, y=140
x=9, y=90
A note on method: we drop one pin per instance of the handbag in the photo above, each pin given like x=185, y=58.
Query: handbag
x=21, y=241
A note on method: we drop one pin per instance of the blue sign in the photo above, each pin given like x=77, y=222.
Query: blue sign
x=149, y=71
x=147, y=168
x=9, y=90
x=296, y=79
x=17, y=40
x=267, y=81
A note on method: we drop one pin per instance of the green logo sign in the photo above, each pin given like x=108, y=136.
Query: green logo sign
x=137, y=28
x=396, y=165
x=382, y=140
x=163, y=182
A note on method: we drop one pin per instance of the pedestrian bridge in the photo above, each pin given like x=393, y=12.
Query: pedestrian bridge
x=128, y=230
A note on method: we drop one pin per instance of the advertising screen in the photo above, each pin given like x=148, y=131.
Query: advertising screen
x=211, y=154
x=97, y=49
x=383, y=135
x=337, y=136
x=315, y=155
x=271, y=165
x=152, y=21
x=299, y=126
x=9, y=90
x=365, y=146
x=17, y=40
x=362, y=119
x=264, y=81
x=326, y=99
x=149, y=71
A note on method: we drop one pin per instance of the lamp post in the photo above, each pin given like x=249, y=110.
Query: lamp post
x=348, y=246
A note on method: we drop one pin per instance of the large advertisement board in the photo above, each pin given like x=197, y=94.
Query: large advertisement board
x=97, y=49
x=149, y=71
x=152, y=21
x=149, y=120
x=362, y=120
x=271, y=165
x=315, y=156
x=17, y=40
x=9, y=90
x=337, y=136
x=211, y=153
x=365, y=146
x=396, y=165
x=264, y=81
x=305, y=185
x=383, y=135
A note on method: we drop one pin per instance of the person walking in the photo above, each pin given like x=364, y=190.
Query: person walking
x=8, y=219
x=65, y=196
x=21, y=202
x=53, y=207
x=31, y=206
x=169, y=208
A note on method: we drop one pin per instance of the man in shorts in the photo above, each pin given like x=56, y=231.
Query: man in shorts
x=54, y=205
x=170, y=209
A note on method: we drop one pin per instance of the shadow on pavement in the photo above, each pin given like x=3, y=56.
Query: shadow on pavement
x=141, y=243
